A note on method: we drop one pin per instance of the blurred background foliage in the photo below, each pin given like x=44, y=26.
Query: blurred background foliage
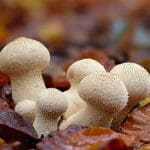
x=120, y=28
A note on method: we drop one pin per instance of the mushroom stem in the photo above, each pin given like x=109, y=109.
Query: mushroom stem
x=96, y=112
x=27, y=85
x=93, y=117
x=118, y=118
x=76, y=102
x=49, y=125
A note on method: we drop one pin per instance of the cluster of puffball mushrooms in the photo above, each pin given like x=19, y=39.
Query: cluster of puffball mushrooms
x=95, y=97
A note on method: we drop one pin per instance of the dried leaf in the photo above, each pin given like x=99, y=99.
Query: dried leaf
x=138, y=124
x=96, y=54
x=60, y=81
x=10, y=146
x=115, y=144
x=48, y=80
x=145, y=147
x=2, y=142
x=4, y=79
x=13, y=127
x=57, y=80
x=6, y=94
x=82, y=138
x=3, y=104
x=146, y=63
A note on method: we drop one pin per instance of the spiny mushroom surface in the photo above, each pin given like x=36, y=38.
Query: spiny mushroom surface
x=50, y=105
x=23, y=60
x=135, y=79
x=104, y=94
x=75, y=73
x=26, y=108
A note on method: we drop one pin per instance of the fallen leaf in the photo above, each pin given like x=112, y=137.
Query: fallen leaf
x=145, y=147
x=3, y=104
x=6, y=94
x=13, y=127
x=138, y=124
x=96, y=54
x=4, y=79
x=115, y=144
x=11, y=146
x=82, y=138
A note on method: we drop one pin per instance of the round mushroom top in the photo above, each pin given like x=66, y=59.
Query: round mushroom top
x=81, y=68
x=134, y=77
x=104, y=91
x=22, y=55
x=51, y=103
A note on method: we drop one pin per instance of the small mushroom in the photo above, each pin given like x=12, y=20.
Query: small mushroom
x=134, y=78
x=50, y=105
x=105, y=95
x=23, y=60
x=26, y=108
x=76, y=72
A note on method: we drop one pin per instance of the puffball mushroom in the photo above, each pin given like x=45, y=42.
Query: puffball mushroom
x=26, y=108
x=50, y=105
x=105, y=94
x=23, y=60
x=135, y=78
x=75, y=73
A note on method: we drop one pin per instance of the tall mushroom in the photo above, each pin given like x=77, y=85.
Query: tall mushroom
x=23, y=60
x=76, y=72
x=105, y=95
x=135, y=79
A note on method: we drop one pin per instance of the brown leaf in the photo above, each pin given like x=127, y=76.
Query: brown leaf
x=6, y=94
x=138, y=124
x=4, y=79
x=145, y=147
x=60, y=81
x=13, y=127
x=2, y=142
x=96, y=54
x=82, y=138
x=115, y=144
x=3, y=104
x=10, y=146
x=145, y=63
x=48, y=80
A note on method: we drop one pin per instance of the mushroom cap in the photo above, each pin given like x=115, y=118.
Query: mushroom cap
x=104, y=91
x=134, y=77
x=22, y=55
x=81, y=68
x=51, y=102
x=26, y=108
